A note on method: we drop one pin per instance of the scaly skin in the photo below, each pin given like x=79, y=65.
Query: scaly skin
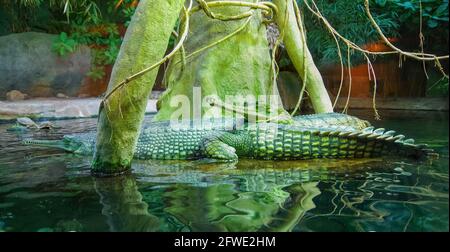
x=259, y=141
x=313, y=120
x=330, y=119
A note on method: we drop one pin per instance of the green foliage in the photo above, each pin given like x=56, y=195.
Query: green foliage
x=105, y=47
x=348, y=17
x=434, y=12
x=396, y=18
x=93, y=23
x=434, y=21
x=88, y=27
x=438, y=88
x=128, y=13
x=96, y=73
x=64, y=45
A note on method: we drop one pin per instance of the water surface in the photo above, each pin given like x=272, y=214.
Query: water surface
x=49, y=190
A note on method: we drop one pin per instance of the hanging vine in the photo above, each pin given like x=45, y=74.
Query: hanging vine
x=269, y=9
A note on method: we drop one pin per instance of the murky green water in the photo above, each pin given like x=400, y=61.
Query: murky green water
x=48, y=190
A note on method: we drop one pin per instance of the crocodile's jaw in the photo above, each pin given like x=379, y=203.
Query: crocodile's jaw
x=60, y=144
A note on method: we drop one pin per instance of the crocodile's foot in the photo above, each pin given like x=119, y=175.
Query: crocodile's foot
x=220, y=151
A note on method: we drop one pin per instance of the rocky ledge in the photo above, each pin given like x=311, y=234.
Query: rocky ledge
x=55, y=108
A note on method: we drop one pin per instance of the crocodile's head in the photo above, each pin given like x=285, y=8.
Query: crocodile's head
x=76, y=144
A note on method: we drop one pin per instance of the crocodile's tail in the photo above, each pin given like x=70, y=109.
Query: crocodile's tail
x=285, y=142
x=382, y=142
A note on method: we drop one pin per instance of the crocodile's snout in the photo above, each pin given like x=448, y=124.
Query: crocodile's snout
x=29, y=142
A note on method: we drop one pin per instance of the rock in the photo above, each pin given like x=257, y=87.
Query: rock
x=61, y=95
x=15, y=95
x=47, y=125
x=26, y=121
x=29, y=65
x=55, y=108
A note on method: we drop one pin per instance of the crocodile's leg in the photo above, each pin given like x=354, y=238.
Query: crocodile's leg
x=216, y=148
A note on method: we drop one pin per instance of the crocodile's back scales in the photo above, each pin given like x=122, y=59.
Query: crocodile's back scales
x=273, y=142
x=330, y=119
x=229, y=140
x=289, y=144
x=165, y=143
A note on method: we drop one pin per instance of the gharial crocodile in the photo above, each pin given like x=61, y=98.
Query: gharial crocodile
x=266, y=141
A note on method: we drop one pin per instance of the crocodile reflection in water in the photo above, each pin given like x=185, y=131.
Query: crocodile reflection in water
x=224, y=208
x=219, y=207
x=211, y=197
x=256, y=196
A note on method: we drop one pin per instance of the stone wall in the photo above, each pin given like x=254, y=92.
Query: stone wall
x=28, y=64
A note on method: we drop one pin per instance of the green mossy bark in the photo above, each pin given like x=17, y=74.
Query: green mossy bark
x=120, y=121
x=240, y=65
x=301, y=57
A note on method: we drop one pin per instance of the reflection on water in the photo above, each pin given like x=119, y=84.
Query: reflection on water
x=47, y=190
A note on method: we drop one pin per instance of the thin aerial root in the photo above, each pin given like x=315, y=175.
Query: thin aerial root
x=394, y=50
x=422, y=38
x=341, y=84
x=417, y=56
x=183, y=58
x=372, y=71
x=107, y=116
x=331, y=29
x=119, y=105
x=349, y=66
x=247, y=21
x=265, y=6
x=305, y=73
x=438, y=64
x=167, y=57
x=129, y=99
x=275, y=68
x=209, y=13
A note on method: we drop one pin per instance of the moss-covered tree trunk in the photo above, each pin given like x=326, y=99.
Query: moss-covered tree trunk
x=240, y=65
x=120, y=119
x=301, y=57
x=221, y=59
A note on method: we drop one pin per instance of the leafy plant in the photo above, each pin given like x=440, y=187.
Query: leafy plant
x=396, y=18
x=96, y=73
x=434, y=12
x=64, y=44
x=434, y=17
x=92, y=23
x=348, y=17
